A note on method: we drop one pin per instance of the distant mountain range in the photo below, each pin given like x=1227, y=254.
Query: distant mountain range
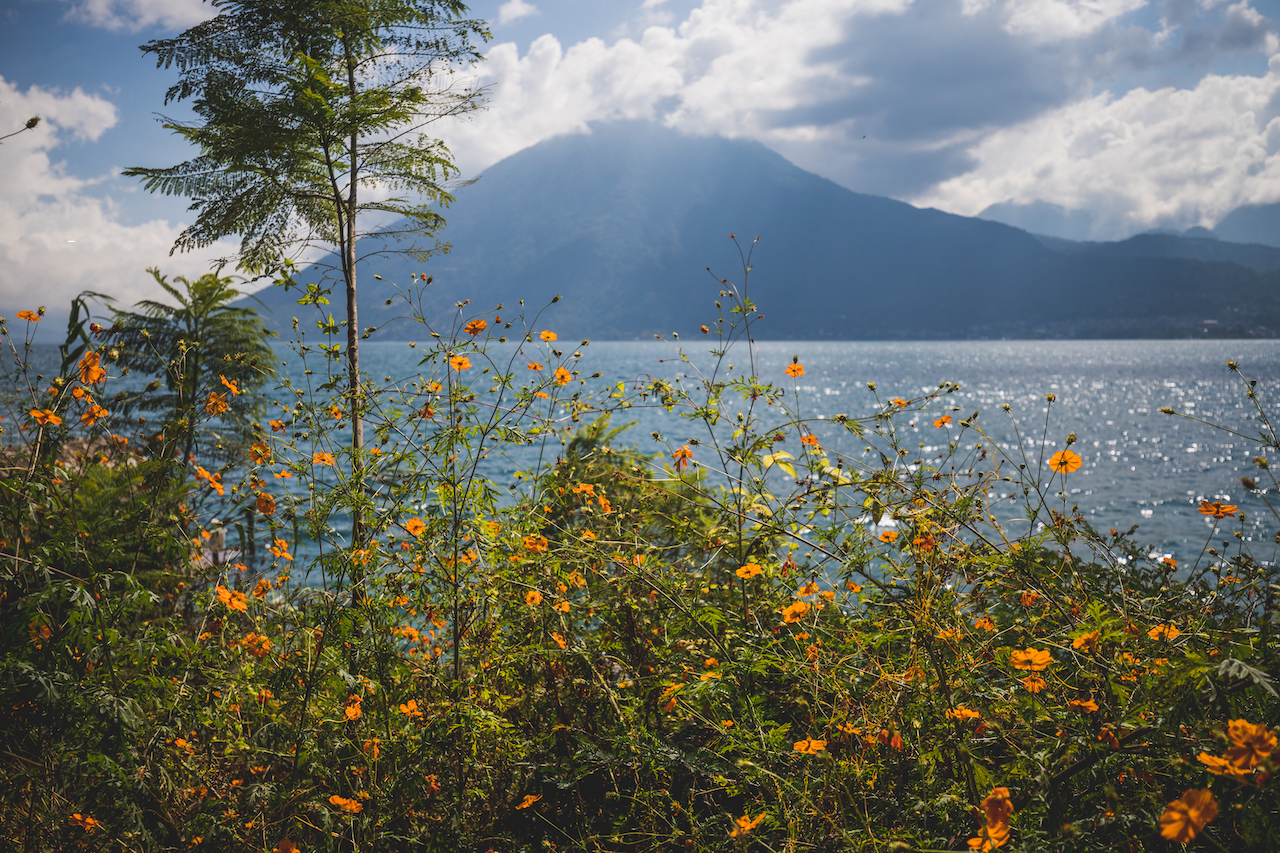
x=623, y=222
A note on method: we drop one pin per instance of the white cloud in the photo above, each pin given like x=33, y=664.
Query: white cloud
x=1169, y=157
x=1059, y=20
x=44, y=208
x=138, y=14
x=515, y=9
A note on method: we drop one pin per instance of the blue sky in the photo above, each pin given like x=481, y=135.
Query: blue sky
x=1124, y=115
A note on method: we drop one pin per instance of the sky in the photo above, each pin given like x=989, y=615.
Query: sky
x=1104, y=117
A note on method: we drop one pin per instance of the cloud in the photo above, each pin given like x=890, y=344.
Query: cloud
x=515, y=9
x=1164, y=158
x=135, y=15
x=44, y=208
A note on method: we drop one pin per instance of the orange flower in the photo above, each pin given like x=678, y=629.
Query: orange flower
x=29, y=316
x=542, y=395
x=704, y=330
x=415, y=526
x=352, y=711
x=530, y=799
x=1088, y=642
x=990, y=837
x=372, y=748
x=410, y=709
x=809, y=746
x=985, y=624
x=256, y=644
x=899, y=402
x=1065, y=461
x=795, y=612
x=533, y=598
x=961, y=713
x=563, y=376
x=809, y=439
x=216, y=403
x=795, y=370
x=1034, y=660
x=276, y=426
x=83, y=821
x=810, y=588
x=345, y=805
x=475, y=327
x=888, y=536
x=750, y=570
x=91, y=372
x=1030, y=599
x=547, y=335
x=743, y=825
x=997, y=806
x=93, y=415
x=1222, y=767
x=233, y=599
x=460, y=362
x=266, y=503
x=280, y=549
x=1086, y=706
x=1251, y=743
x=261, y=588
x=605, y=506
x=682, y=455
x=942, y=421
x=231, y=385
x=533, y=365
x=1185, y=817
x=1033, y=683
x=559, y=639
x=45, y=417
x=323, y=459
x=1218, y=509
x=1168, y=632
x=535, y=543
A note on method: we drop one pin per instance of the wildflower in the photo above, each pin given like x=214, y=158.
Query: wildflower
x=1086, y=706
x=345, y=805
x=533, y=598
x=704, y=330
x=81, y=394
x=942, y=421
x=323, y=459
x=961, y=713
x=563, y=376
x=261, y=588
x=535, y=543
x=743, y=825
x=990, y=837
x=336, y=412
x=230, y=384
x=1185, y=817
x=542, y=395
x=853, y=587
x=547, y=335
x=577, y=579
x=93, y=415
x=811, y=588
x=84, y=821
x=256, y=644
x=276, y=426
x=605, y=505
x=372, y=748
x=1170, y=562
x=233, y=599
x=1030, y=599
x=1222, y=767
x=682, y=455
x=460, y=363
x=1168, y=632
x=533, y=365
x=45, y=417
x=985, y=624
x=410, y=709
x=433, y=784
x=898, y=402
x=1065, y=461
x=352, y=710
x=750, y=570
x=266, y=503
x=809, y=439
x=998, y=806
x=29, y=316
x=795, y=612
x=562, y=606
x=530, y=799
x=214, y=480
x=1218, y=509
x=888, y=536
x=216, y=403
x=1251, y=743
x=559, y=639
x=809, y=746
x=91, y=371
x=588, y=535
x=1034, y=660
x=280, y=549
x=1033, y=683
x=1088, y=642
x=475, y=327
x=795, y=370
x=415, y=526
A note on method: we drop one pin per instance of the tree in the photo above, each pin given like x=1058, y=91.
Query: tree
x=312, y=115
x=194, y=346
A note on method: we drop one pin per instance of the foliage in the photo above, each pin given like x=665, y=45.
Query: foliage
x=731, y=646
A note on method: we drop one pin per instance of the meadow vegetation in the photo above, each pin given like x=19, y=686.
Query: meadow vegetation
x=748, y=642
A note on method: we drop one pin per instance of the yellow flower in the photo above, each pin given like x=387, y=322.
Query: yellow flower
x=750, y=570
x=535, y=543
x=1218, y=509
x=559, y=639
x=1065, y=461
x=809, y=746
x=1033, y=660
x=1185, y=817
x=985, y=624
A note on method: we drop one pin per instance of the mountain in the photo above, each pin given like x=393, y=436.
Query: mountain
x=1253, y=223
x=623, y=221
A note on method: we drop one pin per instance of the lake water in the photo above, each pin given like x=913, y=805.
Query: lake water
x=1141, y=466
